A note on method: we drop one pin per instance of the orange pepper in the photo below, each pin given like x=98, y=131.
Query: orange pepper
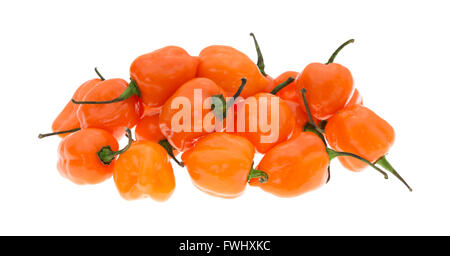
x=147, y=129
x=113, y=117
x=159, y=74
x=67, y=121
x=210, y=92
x=226, y=66
x=88, y=156
x=295, y=166
x=220, y=164
x=358, y=130
x=299, y=165
x=329, y=86
x=283, y=122
x=144, y=170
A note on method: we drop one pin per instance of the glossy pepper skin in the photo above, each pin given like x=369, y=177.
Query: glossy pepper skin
x=226, y=66
x=219, y=164
x=113, y=117
x=295, y=167
x=159, y=74
x=329, y=86
x=77, y=156
x=67, y=119
x=184, y=138
x=282, y=128
x=355, y=99
x=148, y=129
x=144, y=170
x=358, y=130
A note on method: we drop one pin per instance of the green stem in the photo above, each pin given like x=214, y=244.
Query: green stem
x=310, y=128
x=260, y=62
x=261, y=175
x=220, y=106
x=131, y=90
x=98, y=74
x=308, y=111
x=383, y=162
x=43, y=135
x=282, y=85
x=332, y=154
x=107, y=155
x=239, y=90
x=166, y=145
x=335, y=53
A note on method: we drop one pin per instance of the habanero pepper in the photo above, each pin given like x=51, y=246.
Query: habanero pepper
x=99, y=109
x=159, y=74
x=299, y=165
x=358, y=130
x=67, y=121
x=220, y=164
x=194, y=102
x=261, y=110
x=144, y=170
x=88, y=155
x=226, y=66
x=295, y=166
x=329, y=86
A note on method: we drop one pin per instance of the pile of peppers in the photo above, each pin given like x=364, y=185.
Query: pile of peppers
x=320, y=116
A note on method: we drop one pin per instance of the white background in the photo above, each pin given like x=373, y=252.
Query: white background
x=400, y=64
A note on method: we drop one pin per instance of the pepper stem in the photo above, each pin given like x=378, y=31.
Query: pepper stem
x=310, y=128
x=220, y=106
x=260, y=62
x=332, y=154
x=166, y=145
x=335, y=53
x=107, y=155
x=98, y=74
x=43, y=135
x=308, y=111
x=261, y=175
x=131, y=90
x=383, y=162
x=282, y=85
